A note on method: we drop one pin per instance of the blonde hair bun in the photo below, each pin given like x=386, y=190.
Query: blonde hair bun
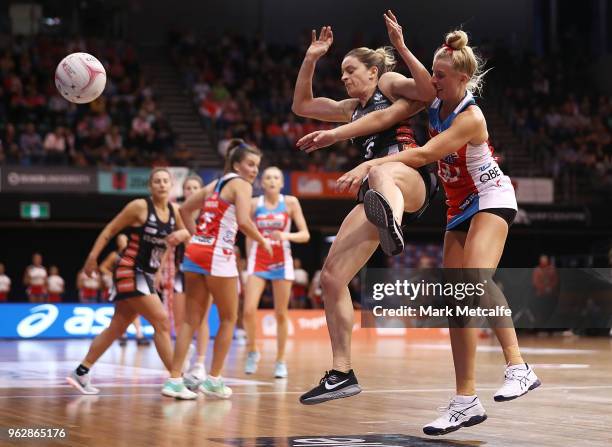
x=457, y=39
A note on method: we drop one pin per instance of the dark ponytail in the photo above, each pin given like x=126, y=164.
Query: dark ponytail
x=236, y=151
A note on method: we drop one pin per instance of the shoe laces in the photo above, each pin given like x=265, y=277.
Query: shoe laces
x=325, y=377
x=453, y=403
x=516, y=374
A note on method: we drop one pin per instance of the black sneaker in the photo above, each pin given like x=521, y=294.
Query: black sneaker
x=334, y=385
x=379, y=212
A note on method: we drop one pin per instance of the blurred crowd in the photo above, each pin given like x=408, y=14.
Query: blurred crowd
x=244, y=88
x=558, y=114
x=38, y=127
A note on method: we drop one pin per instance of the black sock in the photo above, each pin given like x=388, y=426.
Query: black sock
x=82, y=370
x=340, y=373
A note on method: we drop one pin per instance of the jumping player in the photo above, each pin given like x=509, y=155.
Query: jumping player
x=482, y=206
x=371, y=85
x=210, y=264
x=151, y=225
x=272, y=213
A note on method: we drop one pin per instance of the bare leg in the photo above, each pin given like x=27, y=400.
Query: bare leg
x=354, y=244
x=225, y=295
x=252, y=294
x=282, y=291
x=122, y=318
x=483, y=249
x=203, y=336
x=197, y=299
x=152, y=309
x=401, y=185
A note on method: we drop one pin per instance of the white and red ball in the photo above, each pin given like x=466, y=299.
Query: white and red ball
x=80, y=78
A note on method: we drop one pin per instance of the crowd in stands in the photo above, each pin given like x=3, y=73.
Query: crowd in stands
x=560, y=116
x=37, y=126
x=244, y=88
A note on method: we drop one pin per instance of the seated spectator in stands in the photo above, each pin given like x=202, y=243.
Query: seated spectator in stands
x=113, y=139
x=55, y=285
x=31, y=144
x=299, y=289
x=55, y=146
x=224, y=143
x=35, y=280
x=5, y=285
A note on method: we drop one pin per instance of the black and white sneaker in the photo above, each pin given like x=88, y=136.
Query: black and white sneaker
x=518, y=380
x=462, y=411
x=333, y=385
x=379, y=212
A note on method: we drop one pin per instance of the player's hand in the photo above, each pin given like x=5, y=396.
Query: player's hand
x=318, y=47
x=266, y=246
x=91, y=265
x=317, y=140
x=177, y=237
x=351, y=181
x=277, y=235
x=394, y=29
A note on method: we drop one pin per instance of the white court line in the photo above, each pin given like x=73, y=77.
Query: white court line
x=256, y=393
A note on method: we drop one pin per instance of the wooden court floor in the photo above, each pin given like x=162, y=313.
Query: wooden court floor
x=404, y=382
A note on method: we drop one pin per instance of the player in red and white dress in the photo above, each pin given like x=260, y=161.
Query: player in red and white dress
x=35, y=280
x=273, y=213
x=210, y=264
x=481, y=208
x=55, y=285
x=5, y=284
x=89, y=286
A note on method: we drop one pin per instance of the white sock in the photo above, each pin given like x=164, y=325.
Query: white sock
x=464, y=399
x=213, y=378
x=176, y=380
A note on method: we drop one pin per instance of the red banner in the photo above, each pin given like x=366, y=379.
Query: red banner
x=311, y=324
x=311, y=185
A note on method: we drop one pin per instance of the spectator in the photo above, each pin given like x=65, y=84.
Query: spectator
x=55, y=146
x=55, y=285
x=545, y=281
x=89, y=286
x=31, y=144
x=35, y=280
x=5, y=285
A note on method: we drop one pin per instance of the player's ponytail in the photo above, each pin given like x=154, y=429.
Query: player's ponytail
x=464, y=59
x=382, y=58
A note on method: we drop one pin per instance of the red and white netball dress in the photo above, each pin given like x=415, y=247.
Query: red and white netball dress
x=211, y=249
x=37, y=281
x=5, y=287
x=55, y=288
x=280, y=264
x=472, y=179
x=90, y=287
